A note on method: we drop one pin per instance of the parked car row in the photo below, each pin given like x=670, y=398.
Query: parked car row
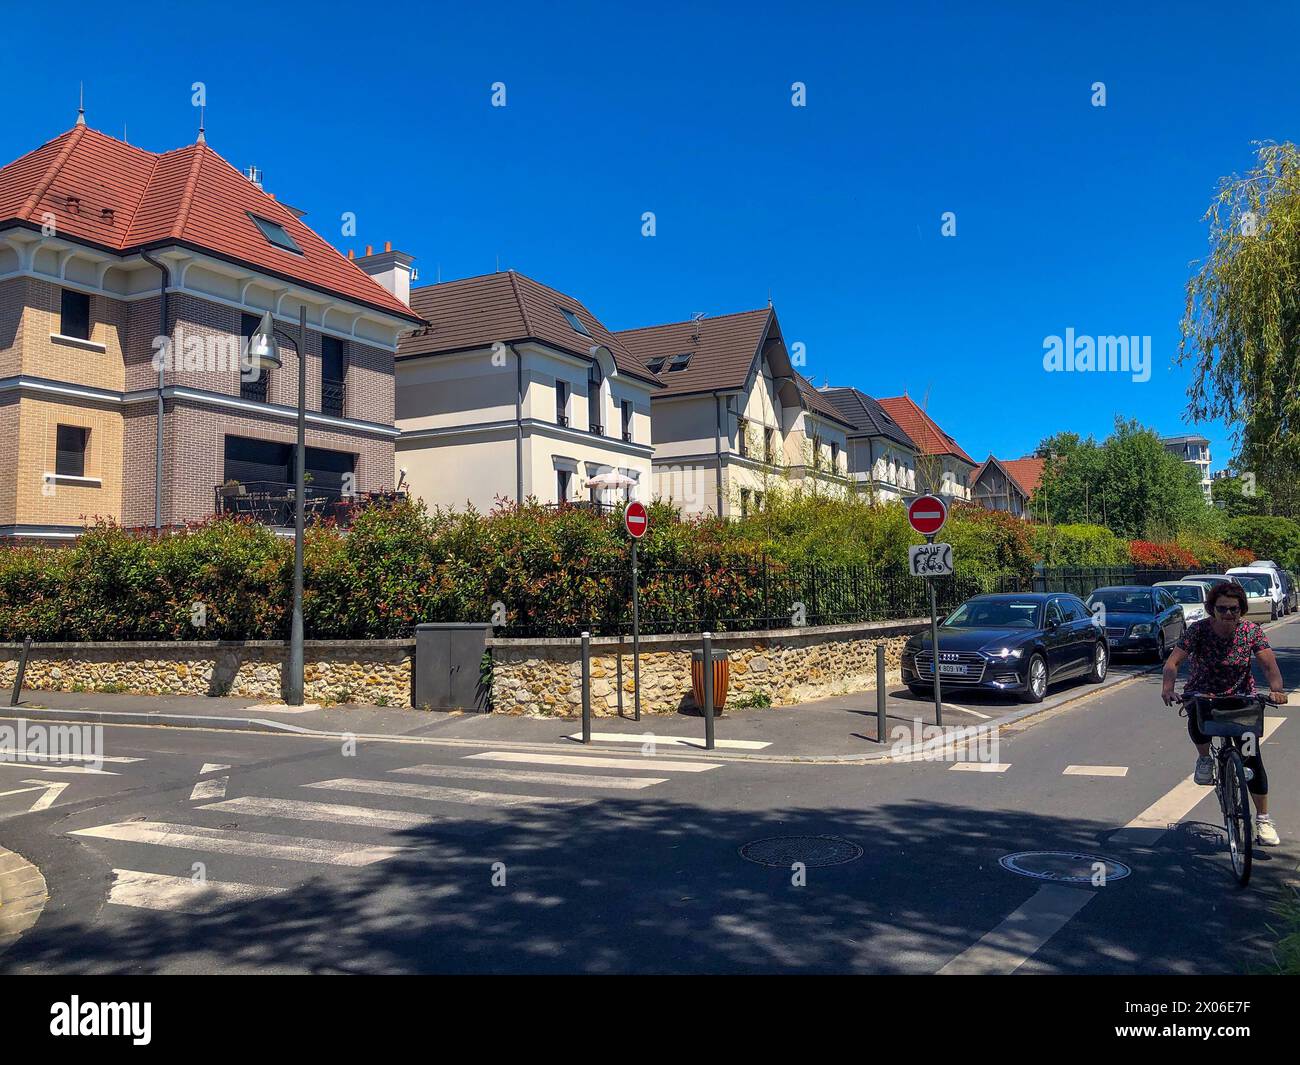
x=1020, y=643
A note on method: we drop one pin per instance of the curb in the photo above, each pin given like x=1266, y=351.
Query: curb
x=23, y=895
x=248, y=724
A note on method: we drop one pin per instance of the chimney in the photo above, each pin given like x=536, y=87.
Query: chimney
x=392, y=269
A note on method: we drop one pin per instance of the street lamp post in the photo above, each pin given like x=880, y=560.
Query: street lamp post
x=262, y=350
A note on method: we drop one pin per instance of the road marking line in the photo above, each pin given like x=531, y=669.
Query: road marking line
x=1174, y=805
x=229, y=841
x=212, y=767
x=52, y=792
x=981, y=767
x=7, y=755
x=280, y=708
x=327, y=812
x=1008, y=946
x=210, y=789
x=604, y=763
x=433, y=793
x=524, y=776
x=19, y=791
x=670, y=741
x=82, y=769
x=156, y=891
x=1095, y=771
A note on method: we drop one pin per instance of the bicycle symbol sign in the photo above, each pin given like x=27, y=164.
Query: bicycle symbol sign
x=930, y=560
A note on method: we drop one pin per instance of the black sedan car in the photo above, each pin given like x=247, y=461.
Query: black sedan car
x=1137, y=619
x=1017, y=643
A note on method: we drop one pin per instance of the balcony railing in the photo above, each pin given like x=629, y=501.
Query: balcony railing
x=586, y=504
x=331, y=397
x=254, y=389
x=272, y=503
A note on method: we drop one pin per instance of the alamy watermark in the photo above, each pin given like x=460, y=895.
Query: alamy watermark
x=921, y=742
x=1109, y=354
x=28, y=741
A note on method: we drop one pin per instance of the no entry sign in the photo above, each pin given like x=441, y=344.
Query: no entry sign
x=927, y=514
x=636, y=520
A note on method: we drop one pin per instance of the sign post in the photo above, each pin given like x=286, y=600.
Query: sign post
x=637, y=523
x=927, y=515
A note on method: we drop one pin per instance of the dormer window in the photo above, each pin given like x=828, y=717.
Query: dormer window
x=574, y=323
x=276, y=234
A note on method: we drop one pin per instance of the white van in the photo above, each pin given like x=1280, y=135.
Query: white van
x=1271, y=577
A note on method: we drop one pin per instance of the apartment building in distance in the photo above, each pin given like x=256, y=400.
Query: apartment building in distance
x=105, y=247
x=1194, y=450
x=516, y=390
x=735, y=418
x=882, y=458
x=941, y=466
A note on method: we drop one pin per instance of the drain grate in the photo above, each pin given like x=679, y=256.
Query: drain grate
x=813, y=851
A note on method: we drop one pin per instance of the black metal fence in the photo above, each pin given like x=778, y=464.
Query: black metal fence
x=776, y=596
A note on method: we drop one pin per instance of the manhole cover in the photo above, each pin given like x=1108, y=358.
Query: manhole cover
x=1064, y=867
x=811, y=850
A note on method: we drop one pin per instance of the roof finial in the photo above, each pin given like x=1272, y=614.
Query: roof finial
x=81, y=106
x=202, y=138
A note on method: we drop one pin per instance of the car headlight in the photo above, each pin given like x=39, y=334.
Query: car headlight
x=1140, y=630
x=1007, y=652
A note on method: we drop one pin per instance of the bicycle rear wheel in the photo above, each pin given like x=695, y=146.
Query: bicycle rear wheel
x=1236, y=814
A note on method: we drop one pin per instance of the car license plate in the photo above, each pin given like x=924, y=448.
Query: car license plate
x=957, y=671
x=1115, y=641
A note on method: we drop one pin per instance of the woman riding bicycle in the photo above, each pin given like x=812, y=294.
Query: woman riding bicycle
x=1220, y=648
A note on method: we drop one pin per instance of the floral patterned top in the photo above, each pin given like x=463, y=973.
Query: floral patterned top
x=1221, y=666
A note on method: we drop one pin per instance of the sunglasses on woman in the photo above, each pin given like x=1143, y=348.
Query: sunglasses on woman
x=1227, y=609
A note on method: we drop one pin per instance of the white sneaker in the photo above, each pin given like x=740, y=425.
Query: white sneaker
x=1204, y=771
x=1265, y=833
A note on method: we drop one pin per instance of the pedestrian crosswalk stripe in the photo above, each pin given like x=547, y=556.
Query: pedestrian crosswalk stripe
x=210, y=789
x=230, y=841
x=525, y=776
x=212, y=767
x=654, y=739
x=327, y=812
x=1095, y=771
x=981, y=767
x=650, y=764
x=156, y=891
x=433, y=793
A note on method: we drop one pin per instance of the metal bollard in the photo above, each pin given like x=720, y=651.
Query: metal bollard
x=22, y=668
x=586, y=687
x=880, y=693
x=618, y=674
x=708, y=691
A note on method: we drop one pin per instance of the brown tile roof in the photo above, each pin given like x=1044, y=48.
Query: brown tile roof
x=476, y=312
x=924, y=431
x=722, y=351
x=189, y=196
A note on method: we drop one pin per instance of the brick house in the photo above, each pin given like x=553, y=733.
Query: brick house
x=941, y=464
x=129, y=281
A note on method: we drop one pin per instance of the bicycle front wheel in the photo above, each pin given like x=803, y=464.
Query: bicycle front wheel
x=1236, y=814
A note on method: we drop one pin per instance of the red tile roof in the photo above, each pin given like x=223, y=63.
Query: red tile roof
x=924, y=431
x=1027, y=472
x=476, y=312
x=188, y=196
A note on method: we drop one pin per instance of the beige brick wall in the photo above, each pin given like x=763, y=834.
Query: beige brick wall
x=60, y=361
x=60, y=503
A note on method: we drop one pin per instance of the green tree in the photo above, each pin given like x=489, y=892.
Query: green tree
x=1129, y=483
x=1241, y=323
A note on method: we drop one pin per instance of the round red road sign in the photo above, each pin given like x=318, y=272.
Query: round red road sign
x=636, y=520
x=927, y=514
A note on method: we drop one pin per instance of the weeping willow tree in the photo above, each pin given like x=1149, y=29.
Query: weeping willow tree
x=1241, y=324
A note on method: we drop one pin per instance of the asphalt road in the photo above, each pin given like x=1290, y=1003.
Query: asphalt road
x=207, y=851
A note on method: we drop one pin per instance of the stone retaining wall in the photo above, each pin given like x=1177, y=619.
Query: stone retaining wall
x=788, y=665
x=362, y=671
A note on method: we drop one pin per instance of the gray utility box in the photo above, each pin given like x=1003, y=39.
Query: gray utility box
x=448, y=660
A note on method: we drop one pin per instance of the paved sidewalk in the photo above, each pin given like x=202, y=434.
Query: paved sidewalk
x=843, y=727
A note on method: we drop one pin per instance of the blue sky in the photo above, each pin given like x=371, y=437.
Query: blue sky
x=1068, y=215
